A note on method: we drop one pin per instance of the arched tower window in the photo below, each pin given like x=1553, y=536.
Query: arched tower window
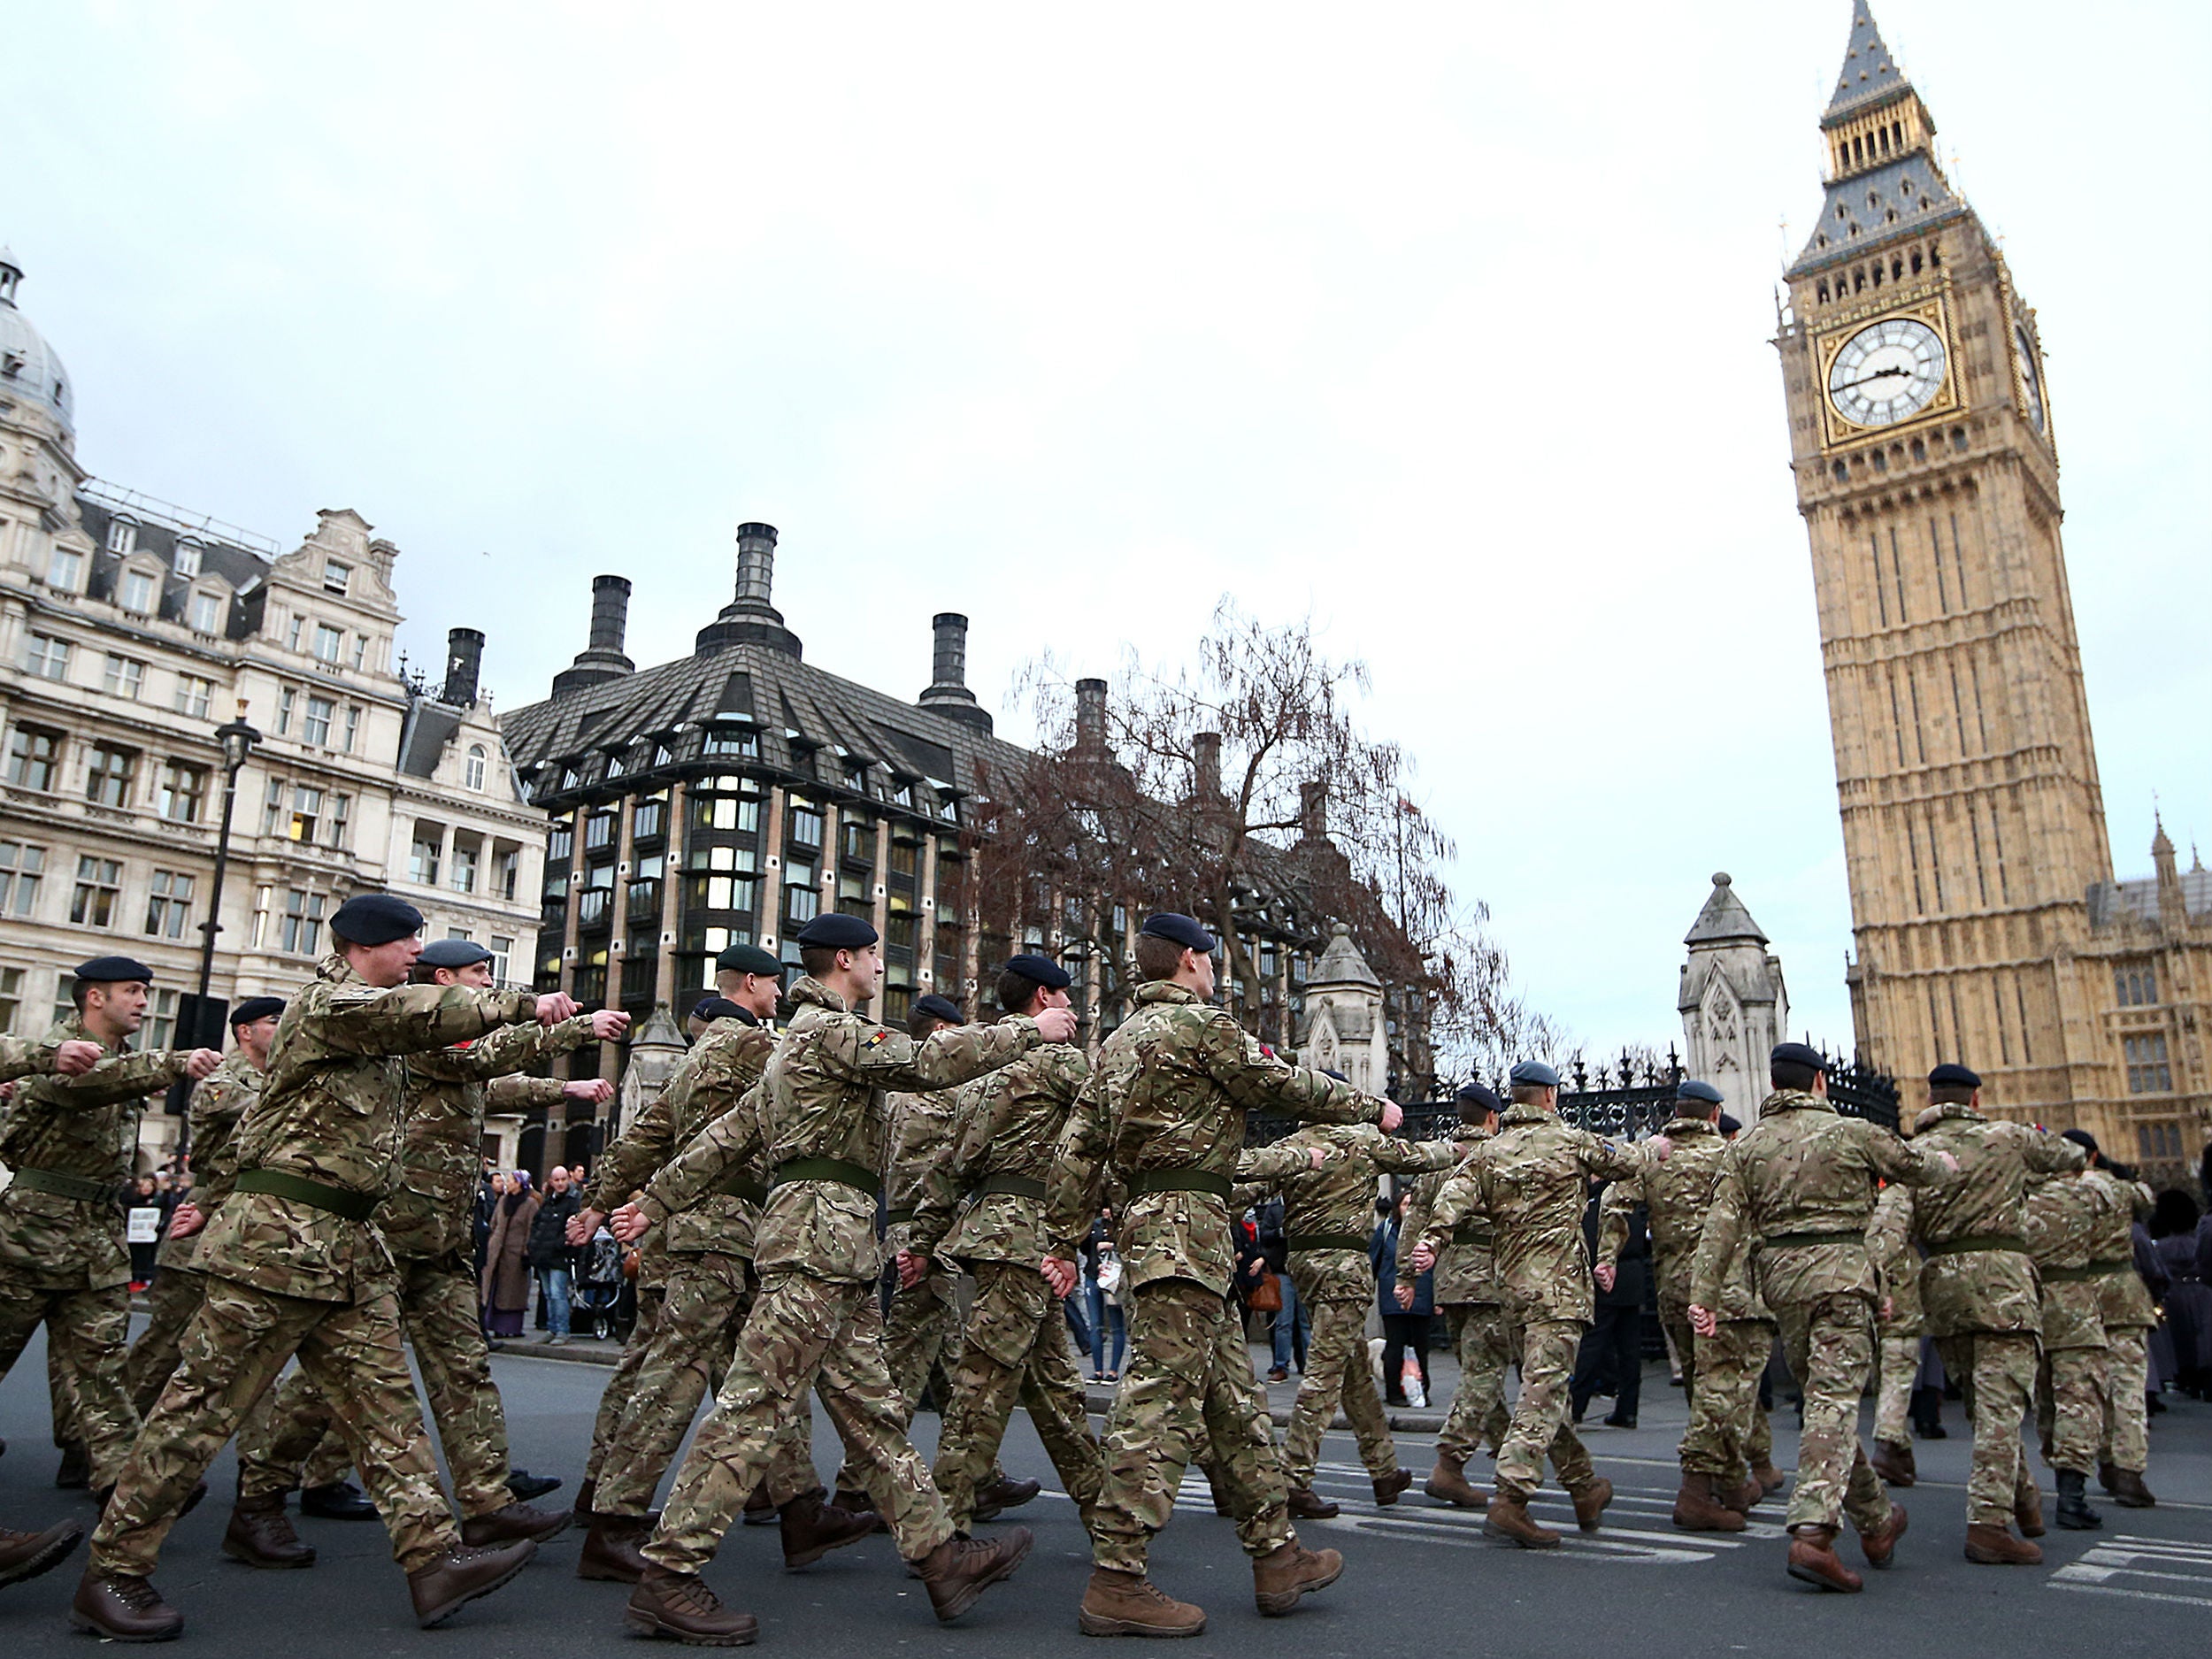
x=473, y=771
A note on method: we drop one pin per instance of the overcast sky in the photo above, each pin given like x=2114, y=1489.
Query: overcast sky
x=1450, y=327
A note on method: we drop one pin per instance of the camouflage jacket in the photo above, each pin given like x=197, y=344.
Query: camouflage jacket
x=1004, y=1132
x=1803, y=1169
x=333, y=1112
x=713, y=1084
x=20, y=1057
x=442, y=1156
x=1169, y=1093
x=1977, y=1276
x=219, y=1101
x=2062, y=1215
x=1676, y=1195
x=1466, y=1271
x=86, y=1128
x=1532, y=1180
x=921, y=1139
x=2122, y=1298
x=1336, y=1203
x=823, y=1097
x=1896, y=1259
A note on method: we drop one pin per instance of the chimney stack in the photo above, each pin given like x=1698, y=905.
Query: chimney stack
x=1313, y=810
x=949, y=694
x=1206, y=764
x=464, y=659
x=749, y=617
x=1090, y=716
x=610, y=613
x=756, y=563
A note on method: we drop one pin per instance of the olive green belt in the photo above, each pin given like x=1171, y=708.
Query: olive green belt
x=338, y=1200
x=903, y=1214
x=1325, y=1241
x=1180, y=1181
x=1791, y=1240
x=2112, y=1264
x=1017, y=1185
x=741, y=1184
x=1968, y=1243
x=2071, y=1275
x=837, y=1170
x=62, y=1185
x=1471, y=1232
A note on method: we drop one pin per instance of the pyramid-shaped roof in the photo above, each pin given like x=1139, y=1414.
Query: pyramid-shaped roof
x=1342, y=963
x=1723, y=919
x=1870, y=74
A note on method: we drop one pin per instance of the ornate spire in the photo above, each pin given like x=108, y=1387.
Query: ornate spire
x=1870, y=74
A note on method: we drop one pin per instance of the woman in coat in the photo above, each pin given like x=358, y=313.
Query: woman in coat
x=506, y=1282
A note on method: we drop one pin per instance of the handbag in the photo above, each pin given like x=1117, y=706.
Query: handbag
x=1267, y=1295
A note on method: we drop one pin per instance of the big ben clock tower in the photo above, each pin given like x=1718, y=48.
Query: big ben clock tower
x=1923, y=442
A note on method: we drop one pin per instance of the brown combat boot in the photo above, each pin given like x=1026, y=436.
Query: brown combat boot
x=961, y=1568
x=1508, y=1517
x=812, y=1528
x=1590, y=1503
x=2027, y=1512
x=586, y=1490
x=1448, y=1483
x=853, y=1501
x=1991, y=1544
x=1002, y=1495
x=1290, y=1571
x=123, y=1607
x=1770, y=1479
x=1697, y=1510
x=2128, y=1490
x=679, y=1604
x=514, y=1524
x=760, y=1508
x=260, y=1534
x=1304, y=1506
x=1743, y=1499
x=460, y=1576
x=1813, y=1560
x=1388, y=1487
x=612, y=1551
x=1128, y=1604
x=1880, y=1547
x=1892, y=1460
x=26, y=1554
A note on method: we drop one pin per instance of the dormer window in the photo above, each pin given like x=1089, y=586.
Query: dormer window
x=337, y=578
x=473, y=770
x=65, y=570
x=122, y=537
x=186, y=562
x=136, y=592
x=204, y=612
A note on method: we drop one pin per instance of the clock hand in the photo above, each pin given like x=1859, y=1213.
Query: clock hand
x=1878, y=375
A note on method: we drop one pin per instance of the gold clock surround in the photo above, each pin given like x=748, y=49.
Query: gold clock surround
x=1837, y=433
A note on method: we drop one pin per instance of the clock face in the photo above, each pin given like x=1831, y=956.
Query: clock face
x=2031, y=376
x=1886, y=372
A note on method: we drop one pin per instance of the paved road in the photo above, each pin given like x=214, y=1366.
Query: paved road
x=1421, y=1579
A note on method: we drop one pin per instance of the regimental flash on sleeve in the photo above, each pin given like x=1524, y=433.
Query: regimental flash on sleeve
x=879, y=1035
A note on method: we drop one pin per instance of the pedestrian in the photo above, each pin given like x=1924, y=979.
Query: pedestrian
x=1613, y=1348
x=146, y=1222
x=1291, y=1323
x=1405, y=1326
x=505, y=1282
x=1101, y=1275
x=2173, y=1230
x=552, y=1258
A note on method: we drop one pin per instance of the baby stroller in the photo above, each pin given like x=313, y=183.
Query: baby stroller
x=599, y=1286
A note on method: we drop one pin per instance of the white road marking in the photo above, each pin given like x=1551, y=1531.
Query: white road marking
x=2141, y=1561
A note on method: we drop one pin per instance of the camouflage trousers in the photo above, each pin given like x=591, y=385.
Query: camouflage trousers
x=265, y=1469
x=804, y=1334
x=1015, y=1347
x=88, y=1336
x=614, y=1400
x=1829, y=1343
x=1187, y=1387
x=1540, y=1426
x=2126, y=1439
x=1337, y=1372
x=1727, y=1436
x=1996, y=1371
x=234, y=1349
x=2070, y=1386
x=442, y=1320
x=171, y=1301
x=1484, y=1343
x=1893, y=1398
x=921, y=1336
x=704, y=1305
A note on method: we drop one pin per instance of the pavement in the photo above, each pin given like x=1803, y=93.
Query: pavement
x=1420, y=1577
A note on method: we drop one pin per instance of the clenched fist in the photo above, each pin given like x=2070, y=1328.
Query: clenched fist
x=202, y=1062
x=608, y=1023
x=1056, y=1025
x=582, y=1225
x=76, y=1057
x=588, y=1091
x=629, y=1224
x=554, y=1007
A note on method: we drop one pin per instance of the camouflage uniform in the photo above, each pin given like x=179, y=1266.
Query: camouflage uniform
x=1465, y=1285
x=1016, y=1345
x=2062, y=1217
x=1799, y=1186
x=1531, y=1179
x=1977, y=1287
x=293, y=1271
x=817, y=1319
x=425, y=1224
x=1727, y=1436
x=2124, y=1301
x=1897, y=1260
x=63, y=1258
x=1328, y=1216
x=1166, y=1106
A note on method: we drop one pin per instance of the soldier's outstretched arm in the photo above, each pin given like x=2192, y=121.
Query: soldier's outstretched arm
x=1458, y=1195
x=2051, y=1154
x=1394, y=1157
x=519, y=1048
x=732, y=1139
x=20, y=1057
x=1079, y=1167
x=637, y=1152
x=1896, y=1160
x=1256, y=1078
x=1723, y=1237
x=887, y=1059
x=121, y=1077
x=414, y=1019
x=518, y=1092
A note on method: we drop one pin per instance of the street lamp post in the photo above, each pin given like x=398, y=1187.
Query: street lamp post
x=237, y=739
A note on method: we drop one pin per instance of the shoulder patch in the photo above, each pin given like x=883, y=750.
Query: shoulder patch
x=879, y=1035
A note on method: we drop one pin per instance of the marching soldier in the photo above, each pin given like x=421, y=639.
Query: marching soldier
x=299, y=1266
x=1899, y=1327
x=1166, y=1106
x=1799, y=1184
x=2062, y=1212
x=2124, y=1302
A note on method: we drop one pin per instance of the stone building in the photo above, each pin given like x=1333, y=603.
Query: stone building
x=1345, y=1026
x=1734, y=1006
x=129, y=631
x=1987, y=925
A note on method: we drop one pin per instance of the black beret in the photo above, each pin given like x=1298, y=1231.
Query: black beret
x=256, y=1008
x=1798, y=1053
x=375, y=919
x=1729, y=1126
x=453, y=953
x=1178, y=929
x=940, y=1008
x=1692, y=1088
x=1949, y=1075
x=1479, y=1094
x=833, y=930
x=114, y=971
x=1535, y=1074
x=2081, y=1138
x=1329, y=1070
x=749, y=959
x=716, y=1008
x=1040, y=970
